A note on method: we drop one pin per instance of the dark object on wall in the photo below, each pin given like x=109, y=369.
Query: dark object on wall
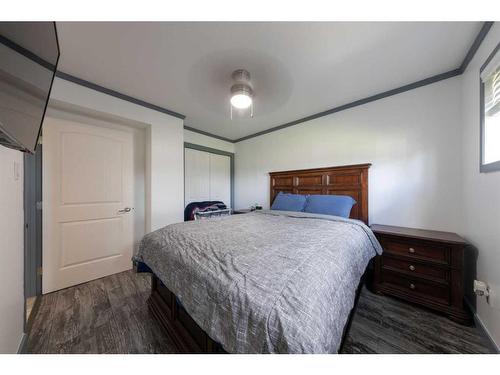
x=29, y=53
x=193, y=207
x=351, y=180
x=424, y=267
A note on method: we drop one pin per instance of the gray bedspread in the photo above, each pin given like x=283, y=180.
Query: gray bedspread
x=265, y=282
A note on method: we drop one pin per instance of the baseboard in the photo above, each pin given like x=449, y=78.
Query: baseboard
x=34, y=311
x=482, y=327
x=479, y=323
x=22, y=344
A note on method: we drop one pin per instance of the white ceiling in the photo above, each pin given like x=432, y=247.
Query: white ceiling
x=297, y=69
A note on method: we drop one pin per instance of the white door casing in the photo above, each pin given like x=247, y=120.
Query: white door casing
x=87, y=180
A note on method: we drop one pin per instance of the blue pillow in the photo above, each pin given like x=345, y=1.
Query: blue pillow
x=337, y=205
x=289, y=202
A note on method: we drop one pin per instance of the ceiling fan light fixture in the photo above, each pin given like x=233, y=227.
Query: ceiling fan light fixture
x=241, y=101
x=241, y=91
x=241, y=96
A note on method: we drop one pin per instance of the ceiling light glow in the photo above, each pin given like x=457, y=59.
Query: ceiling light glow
x=241, y=100
x=241, y=91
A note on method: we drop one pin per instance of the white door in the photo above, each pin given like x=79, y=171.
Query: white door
x=196, y=176
x=220, y=179
x=87, y=190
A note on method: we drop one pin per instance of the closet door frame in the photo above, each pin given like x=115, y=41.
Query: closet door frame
x=218, y=152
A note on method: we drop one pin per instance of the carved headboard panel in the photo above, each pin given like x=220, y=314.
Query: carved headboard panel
x=349, y=180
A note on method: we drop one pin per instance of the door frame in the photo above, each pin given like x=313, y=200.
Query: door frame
x=193, y=146
x=32, y=204
x=33, y=223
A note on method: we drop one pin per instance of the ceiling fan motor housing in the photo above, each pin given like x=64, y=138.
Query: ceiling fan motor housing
x=241, y=85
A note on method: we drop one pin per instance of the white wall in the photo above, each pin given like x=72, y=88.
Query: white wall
x=164, y=149
x=11, y=250
x=481, y=192
x=203, y=140
x=412, y=140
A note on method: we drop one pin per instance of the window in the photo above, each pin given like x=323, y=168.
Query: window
x=490, y=113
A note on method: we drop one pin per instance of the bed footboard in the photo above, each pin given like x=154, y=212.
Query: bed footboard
x=180, y=327
x=187, y=335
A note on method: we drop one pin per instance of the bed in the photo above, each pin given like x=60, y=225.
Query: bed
x=267, y=281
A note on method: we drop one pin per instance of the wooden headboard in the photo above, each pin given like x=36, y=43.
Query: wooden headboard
x=349, y=180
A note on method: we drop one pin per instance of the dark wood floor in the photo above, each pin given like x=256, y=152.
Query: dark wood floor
x=110, y=315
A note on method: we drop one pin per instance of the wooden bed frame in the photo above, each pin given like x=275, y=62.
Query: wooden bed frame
x=344, y=180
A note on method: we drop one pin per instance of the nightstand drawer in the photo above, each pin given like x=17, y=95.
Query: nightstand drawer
x=417, y=287
x=414, y=268
x=417, y=250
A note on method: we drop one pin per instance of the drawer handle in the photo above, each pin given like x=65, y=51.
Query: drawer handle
x=412, y=286
x=411, y=250
x=411, y=267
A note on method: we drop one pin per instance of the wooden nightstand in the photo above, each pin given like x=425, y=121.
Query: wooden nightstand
x=424, y=267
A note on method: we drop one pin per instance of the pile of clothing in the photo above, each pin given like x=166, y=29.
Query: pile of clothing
x=194, y=207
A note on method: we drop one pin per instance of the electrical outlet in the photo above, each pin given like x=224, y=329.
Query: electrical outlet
x=481, y=288
x=488, y=292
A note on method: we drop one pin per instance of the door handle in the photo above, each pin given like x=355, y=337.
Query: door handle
x=125, y=210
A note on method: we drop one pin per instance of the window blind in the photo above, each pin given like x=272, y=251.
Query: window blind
x=492, y=93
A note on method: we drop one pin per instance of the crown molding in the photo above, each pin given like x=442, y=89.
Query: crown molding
x=475, y=45
x=382, y=95
x=116, y=94
x=208, y=134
